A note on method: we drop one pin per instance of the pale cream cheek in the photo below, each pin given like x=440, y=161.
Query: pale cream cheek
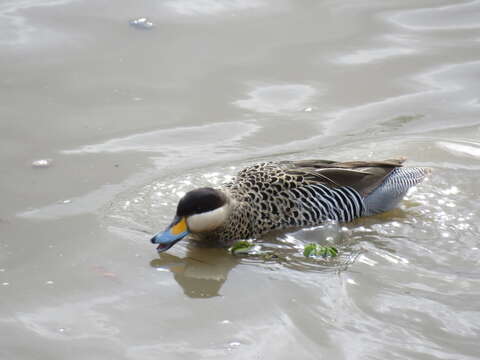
x=207, y=221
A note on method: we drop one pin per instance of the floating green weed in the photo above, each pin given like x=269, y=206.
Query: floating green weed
x=241, y=247
x=313, y=250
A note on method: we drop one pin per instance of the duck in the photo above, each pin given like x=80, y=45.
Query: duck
x=278, y=195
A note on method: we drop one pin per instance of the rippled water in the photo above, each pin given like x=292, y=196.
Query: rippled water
x=124, y=121
x=408, y=276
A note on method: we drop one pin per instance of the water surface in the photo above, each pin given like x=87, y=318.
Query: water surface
x=132, y=119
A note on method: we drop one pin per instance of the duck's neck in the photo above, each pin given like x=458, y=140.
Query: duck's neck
x=238, y=225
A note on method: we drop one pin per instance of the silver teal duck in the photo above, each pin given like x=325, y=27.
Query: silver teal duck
x=284, y=194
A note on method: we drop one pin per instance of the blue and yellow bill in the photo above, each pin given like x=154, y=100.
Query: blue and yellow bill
x=177, y=230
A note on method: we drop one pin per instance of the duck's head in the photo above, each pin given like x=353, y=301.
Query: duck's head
x=200, y=210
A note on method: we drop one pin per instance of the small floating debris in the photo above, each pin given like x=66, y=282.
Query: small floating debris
x=315, y=250
x=42, y=163
x=308, y=109
x=141, y=23
x=243, y=247
x=68, y=201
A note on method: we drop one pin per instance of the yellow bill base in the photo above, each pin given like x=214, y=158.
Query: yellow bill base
x=179, y=227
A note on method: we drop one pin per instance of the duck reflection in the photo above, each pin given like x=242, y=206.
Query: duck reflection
x=201, y=273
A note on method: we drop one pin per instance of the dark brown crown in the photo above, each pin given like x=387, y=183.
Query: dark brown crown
x=199, y=201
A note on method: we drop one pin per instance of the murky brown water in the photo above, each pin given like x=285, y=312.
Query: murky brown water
x=133, y=118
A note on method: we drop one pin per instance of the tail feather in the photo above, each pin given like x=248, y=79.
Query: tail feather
x=392, y=190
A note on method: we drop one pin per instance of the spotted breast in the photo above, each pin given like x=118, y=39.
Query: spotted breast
x=278, y=195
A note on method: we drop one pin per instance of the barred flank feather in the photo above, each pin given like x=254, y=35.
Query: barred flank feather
x=386, y=196
x=341, y=204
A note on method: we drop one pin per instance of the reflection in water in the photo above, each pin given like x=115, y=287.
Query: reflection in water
x=83, y=319
x=14, y=27
x=453, y=80
x=201, y=273
x=471, y=149
x=287, y=248
x=219, y=139
x=211, y=7
x=278, y=98
x=203, y=270
x=365, y=56
x=441, y=18
x=202, y=139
